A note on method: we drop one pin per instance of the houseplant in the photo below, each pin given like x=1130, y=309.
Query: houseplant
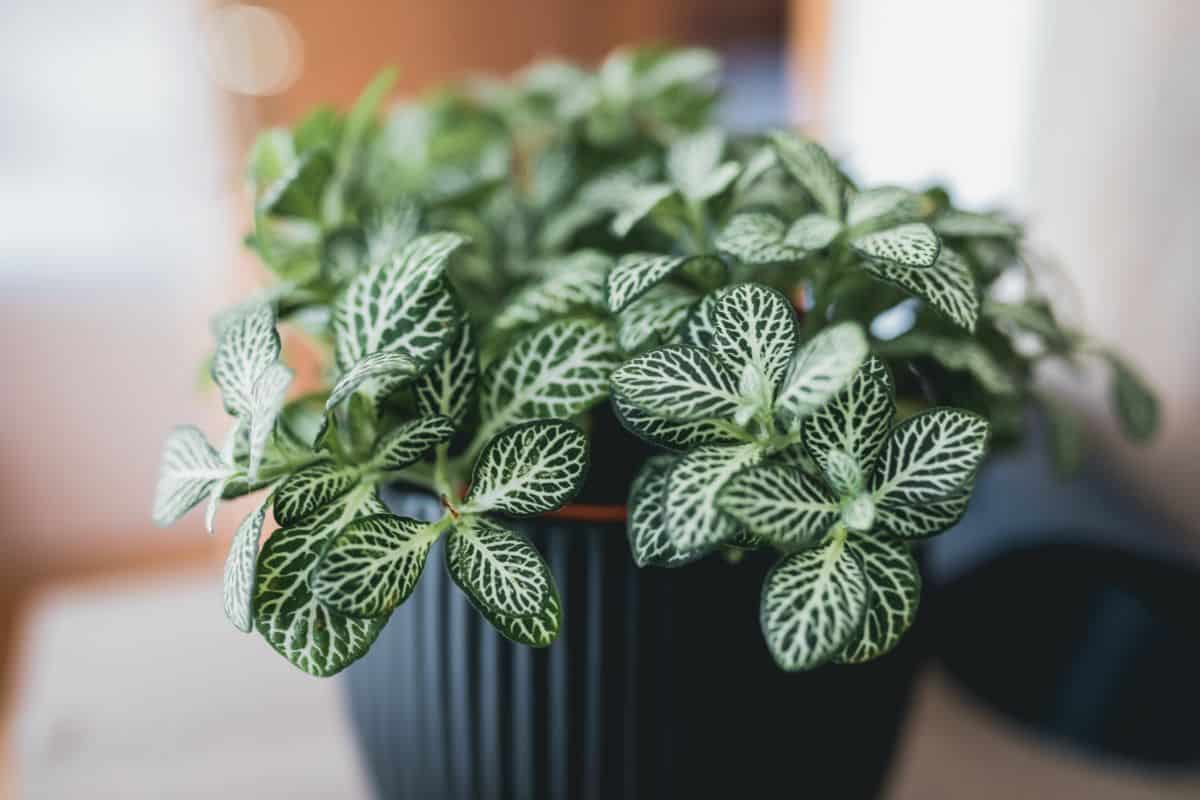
x=498, y=268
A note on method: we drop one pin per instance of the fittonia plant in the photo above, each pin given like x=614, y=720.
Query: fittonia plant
x=483, y=269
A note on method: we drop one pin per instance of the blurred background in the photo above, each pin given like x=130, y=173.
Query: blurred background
x=122, y=205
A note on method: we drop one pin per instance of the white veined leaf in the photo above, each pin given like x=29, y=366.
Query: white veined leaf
x=757, y=238
x=390, y=228
x=669, y=433
x=780, y=504
x=654, y=317
x=241, y=568
x=678, y=381
x=308, y=489
x=499, y=569
x=910, y=245
x=1136, y=405
x=855, y=421
x=844, y=474
x=885, y=205
x=813, y=604
x=894, y=582
x=647, y=525
x=246, y=347
x=969, y=225
x=930, y=456
x=311, y=635
x=947, y=286
x=410, y=441
x=640, y=202
x=529, y=469
x=575, y=283
x=812, y=232
x=447, y=388
x=695, y=524
x=755, y=326
x=700, y=326
x=636, y=273
x=956, y=353
x=386, y=371
x=373, y=564
x=400, y=305
x=189, y=471
x=557, y=371
x=919, y=520
x=809, y=164
x=540, y=630
x=270, y=391
x=820, y=369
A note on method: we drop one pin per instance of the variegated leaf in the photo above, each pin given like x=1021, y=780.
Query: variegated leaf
x=305, y=631
x=499, y=569
x=654, y=317
x=529, y=469
x=447, y=388
x=247, y=346
x=670, y=433
x=813, y=604
x=189, y=471
x=757, y=238
x=373, y=564
x=919, y=520
x=311, y=488
x=755, y=326
x=695, y=524
x=894, y=582
x=638, y=204
x=970, y=225
x=911, y=245
x=241, y=568
x=820, y=369
x=812, y=232
x=844, y=474
x=693, y=164
x=855, y=421
x=540, y=630
x=680, y=382
x=700, y=326
x=780, y=504
x=386, y=371
x=576, y=282
x=647, y=525
x=410, y=441
x=400, y=305
x=636, y=273
x=809, y=164
x=883, y=206
x=947, y=286
x=930, y=456
x=270, y=391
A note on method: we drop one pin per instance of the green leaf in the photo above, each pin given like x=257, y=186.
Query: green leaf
x=1032, y=316
x=362, y=114
x=642, y=201
x=499, y=569
x=647, y=526
x=299, y=190
x=700, y=326
x=636, y=273
x=894, y=582
x=373, y=564
x=1136, y=405
x=669, y=433
x=781, y=504
x=678, y=381
x=190, y=470
x=885, y=205
x=930, y=456
x=654, y=317
x=757, y=238
x=855, y=421
x=693, y=163
x=241, y=567
x=247, y=346
x=382, y=373
x=813, y=604
x=313, y=487
x=812, y=232
x=755, y=327
x=763, y=160
x=400, y=305
x=955, y=353
x=1066, y=436
x=447, y=388
x=694, y=523
x=575, y=283
x=529, y=469
x=410, y=441
x=969, y=225
x=809, y=164
x=311, y=635
x=923, y=519
x=270, y=391
x=948, y=286
x=820, y=369
x=911, y=245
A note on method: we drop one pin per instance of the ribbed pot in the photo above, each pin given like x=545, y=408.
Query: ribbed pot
x=659, y=686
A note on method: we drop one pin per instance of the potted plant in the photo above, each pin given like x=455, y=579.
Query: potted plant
x=782, y=382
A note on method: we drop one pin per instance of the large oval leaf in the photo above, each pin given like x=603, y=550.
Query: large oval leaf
x=930, y=456
x=447, y=388
x=410, y=441
x=856, y=421
x=781, y=504
x=911, y=245
x=757, y=238
x=529, y=469
x=820, y=369
x=919, y=520
x=311, y=488
x=636, y=273
x=755, y=326
x=498, y=568
x=894, y=582
x=680, y=382
x=647, y=526
x=809, y=164
x=694, y=522
x=669, y=433
x=948, y=286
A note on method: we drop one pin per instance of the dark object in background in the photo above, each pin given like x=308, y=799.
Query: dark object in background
x=1090, y=645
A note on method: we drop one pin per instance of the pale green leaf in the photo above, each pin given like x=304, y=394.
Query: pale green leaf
x=678, y=381
x=780, y=504
x=640, y=202
x=843, y=472
x=241, y=567
x=969, y=225
x=756, y=166
x=809, y=164
x=911, y=245
x=270, y=391
x=670, y=433
x=812, y=232
x=529, y=469
x=855, y=421
x=311, y=488
x=948, y=285
x=1136, y=405
x=694, y=165
x=447, y=388
x=885, y=205
x=930, y=456
x=894, y=582
x=499, y=569
x=757, y=238
x=247, y=346
x=647, y=525
x=756, y=327
x=654, y=317
x=919, y=520
x=695, y=525
x=820, y=369
x=636, y=273
x=378, y=373
x=410, y=441
x=575, y=282
x=190, y=470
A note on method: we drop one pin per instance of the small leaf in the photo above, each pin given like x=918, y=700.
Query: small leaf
x=930, y=456
x=642, y=201
x=311, y=488
x=820, y=369
x=529, y=469
x=1136, y=405
x=755, y=326
x=647, y=526
x=844, y=474
x=654, y=317
x=781, y=504
x=812, y=232
x=756, y=238
x=447, y=388
x=499, y=569
x=575, y=283
x=693, y=163
x=247, y=346
x=386, y=371
x=885, y=205
x=969, y=225
x=922, y=519
x=809, y=164
x=636, y=273
x=678, y=381
x=855, y=421
x=955, y=353
x=241, y=568
x=669, y=433
x=409, y=442
x=700, y=326
x=894, y=582
x=1066, y=436
x=695, y=525
x=947, y=286
x=813, y=604
x=299, y=190
x=911, y=245
x=373, y=564
x=190, y=470
x=270, y=391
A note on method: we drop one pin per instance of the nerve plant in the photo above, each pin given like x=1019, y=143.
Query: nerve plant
x=482, y=270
